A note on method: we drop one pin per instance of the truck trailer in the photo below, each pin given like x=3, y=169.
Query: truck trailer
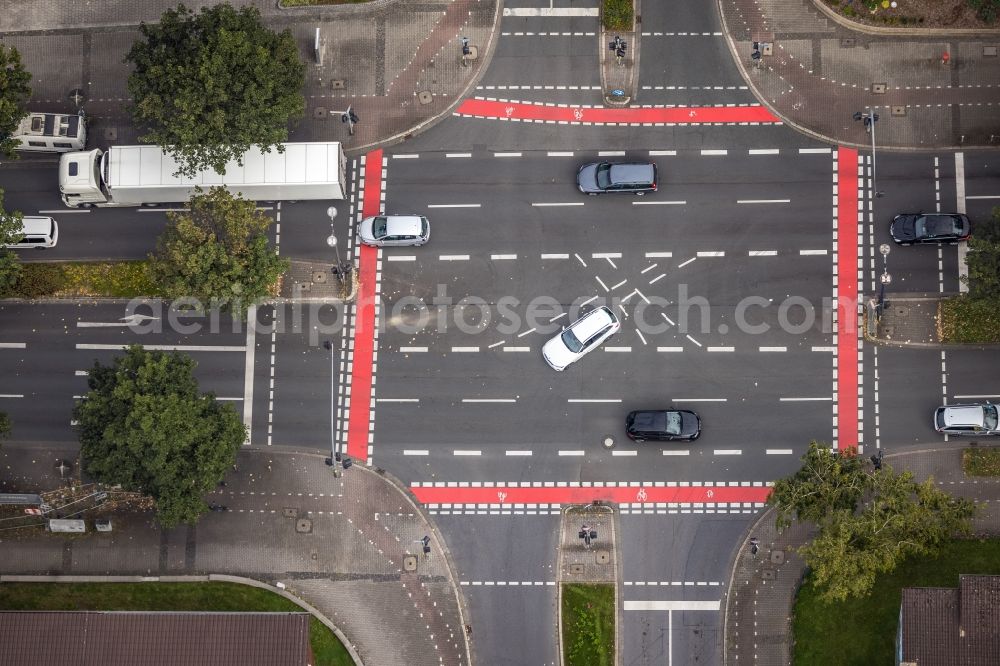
x=145, y=175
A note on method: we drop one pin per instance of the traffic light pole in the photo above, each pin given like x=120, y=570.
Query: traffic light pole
x=348, y=117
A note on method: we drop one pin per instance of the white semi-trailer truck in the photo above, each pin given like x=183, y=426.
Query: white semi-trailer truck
x=144, y=175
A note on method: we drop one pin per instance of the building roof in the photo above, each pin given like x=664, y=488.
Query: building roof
x=121, y=638
x=952, y=626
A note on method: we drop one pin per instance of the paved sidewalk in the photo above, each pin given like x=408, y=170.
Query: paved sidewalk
x=820, y=72
x=336, y=543
x=397, y=62
x=762, y=587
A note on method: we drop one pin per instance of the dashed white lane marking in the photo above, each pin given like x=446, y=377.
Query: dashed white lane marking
x=458, y=154
x=762, y=201
x=617, y=349
x=572, y=452
x=778, y=452
x=495, y=344
x=682, y=452
x=555, y=256
x=611, y=153
x=762, y=253
x=16, y=395
x=465, y=205
x=647, y=269
x=763, y=151
x=606, y=255
x=618, y=285
x=408, y=350
x=728, y=452
x=662, y=153
x=535, y=87
x=700, y=399
x=461, y=350
x=624, y=452
x=503, y=257
x=682, y=34
x=467, y=452
x=826, y=399
x=589, y=300
x=557, y=203
x=601, y=400
x=82, y=373
x=406, y=156
x=13, y=345
x=670, y=349
x=517, y=349
x=517, y=452
x=666, y=318
x=659, y=203
x=556, y=153
x=453, y=257
x=508, y=583
x=812, y=252
x=641, y=337
x=550, y=11
x=814, y=151
x=659, y=255
x=673, y=583
x=181, y=348
x=721, y=349
x=693, y=340
x=489, y=400
x=772, y=349
x=644, y=605
x=601, y=282
x=709, y=152
x=824, y=349
x=416, y=452
x=506, y=154
x=558, y=316
x=984, y=396
x=397, y=400
x=401, y=257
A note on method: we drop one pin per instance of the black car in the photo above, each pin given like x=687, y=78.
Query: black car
x=916, y=228
x=663, y=425
x=634, y=177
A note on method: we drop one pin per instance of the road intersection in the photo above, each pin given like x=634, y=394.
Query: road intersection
x=738, y=282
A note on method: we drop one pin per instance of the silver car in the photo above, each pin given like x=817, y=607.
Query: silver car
x=580, y=338
x=394, y=230
x=972, y=419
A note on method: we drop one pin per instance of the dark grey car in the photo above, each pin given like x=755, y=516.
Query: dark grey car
x=663, y=425
x=933, y=228
x=632, y=177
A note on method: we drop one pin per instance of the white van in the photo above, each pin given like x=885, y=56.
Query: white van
x=39, y=232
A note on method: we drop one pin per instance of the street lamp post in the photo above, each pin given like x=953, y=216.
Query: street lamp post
x=886, y=278
x=340, y=269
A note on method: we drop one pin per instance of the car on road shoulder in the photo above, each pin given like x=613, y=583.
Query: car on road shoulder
x=929, y=228
x=580, y=338
x=968, y=419
x=394, y=230
x=663, y=425
x=633, y=177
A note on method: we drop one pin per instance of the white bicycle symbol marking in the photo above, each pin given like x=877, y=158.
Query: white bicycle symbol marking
x=710, y=493
x=578, y=114
x=641, y=495
x=509, y=110
x=692, y=114
x=501, y=496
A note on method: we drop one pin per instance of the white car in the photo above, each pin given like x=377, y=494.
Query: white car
x=580, y=338
x=394, y=230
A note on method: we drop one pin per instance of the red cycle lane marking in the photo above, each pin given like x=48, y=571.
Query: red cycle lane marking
x=579, y=495
x=359, y=417
x=691, y=115
x=847, y=298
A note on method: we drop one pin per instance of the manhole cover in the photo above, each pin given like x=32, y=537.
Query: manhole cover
x=603, y=557
x=410, y=563
x=901, y=310
x=289, y=512
x=314, y=554
x=319, y=113
x=608, y=442
x=847, y=43
x=303, y=526
x=878, y=88
x=337, y=84
x=319, y=277
x=424, y=97
x=898, y=110
x=767, y=574
x=778, y=556
x=990, y=51
x=110, y=134
x=576, y=568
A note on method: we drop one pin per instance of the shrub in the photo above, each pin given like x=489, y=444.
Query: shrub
x=618, y=14
x=987, y=10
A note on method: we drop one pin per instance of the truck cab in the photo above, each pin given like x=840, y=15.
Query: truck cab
x=80, y=181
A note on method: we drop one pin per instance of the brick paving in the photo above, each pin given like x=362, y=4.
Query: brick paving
x=338, y=544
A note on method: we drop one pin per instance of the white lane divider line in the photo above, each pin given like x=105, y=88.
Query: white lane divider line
x=573, y=452
x=528, y=332
x=686, y=262
x=662, y=153
x=778, y=452
x=814, y=151
x=401, y=257
x=489, y=400
x=412, y=350
x=711, y=253
x=700, y=399
x=708, y=152
x=682, y=452
x=406, y=400
x=772, y=349
x=453, y=257
x=496, y=344
x=611, y=153
x=764, y=151
x=13, y=345
x=503, y=257
x=812, y=252
x=406, y=156
x=556, y=153
x=659, y=255
x=670, y=349
x=82, y=373
x=464, y=350
x=721, y=349
x=625, y=452
x=458, y=154
x=517, y=349
x=16, y=395
x=618, y=349
x=555, y=256
x=659, y=203
x=467, y=452
x=416, y=452
x=454, y=205
x=826, y=399
x=823, y=349
x=763, y=253
x=506, y=154
x=728, y=452
x=182, y=348
x=762, y=201
x=594, y=400
x=601, y=282
x=553, y=204
x=517, y=452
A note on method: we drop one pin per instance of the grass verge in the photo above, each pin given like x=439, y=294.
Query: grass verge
x=981, y=461
x=863, y=631
x=588, y=624
x=617, y=14
x=216, y=597
x=971, y=320
x=114, y=279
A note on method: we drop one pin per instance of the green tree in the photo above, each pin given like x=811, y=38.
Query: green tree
x=217, y=252
x=868, y=522
x=144, y=425
x=14, y=94
x=209, y=85
x=10, y=232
